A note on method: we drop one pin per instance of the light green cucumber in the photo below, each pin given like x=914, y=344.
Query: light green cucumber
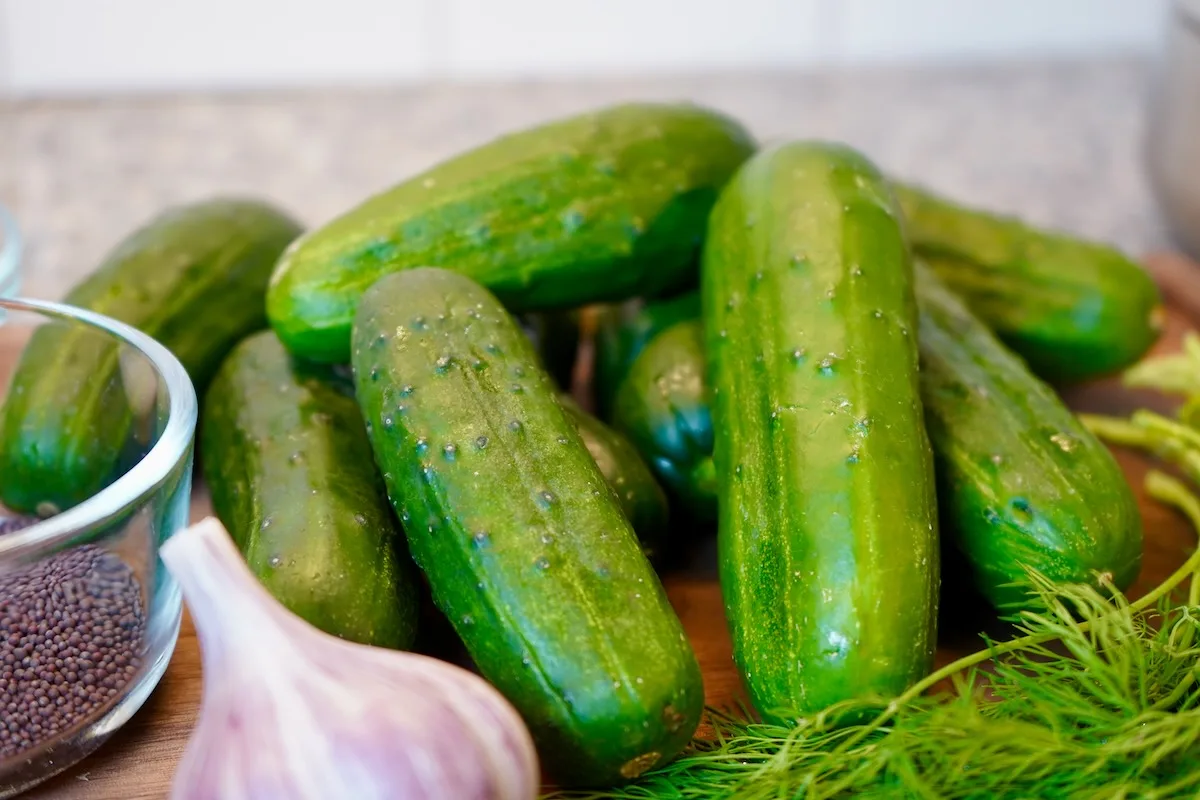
x=827, y=516
x=524, y=545
x=598, y=207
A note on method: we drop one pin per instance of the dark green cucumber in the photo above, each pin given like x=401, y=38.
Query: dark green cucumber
x=826, y=529
x=594, y=208
x=292, y=478
x=195, y=279
x=555, y=334
x=1072, y=309
x=525, y=547
x=1022, y=483
x=664, y=407
x=623, y=330
x=641, y=498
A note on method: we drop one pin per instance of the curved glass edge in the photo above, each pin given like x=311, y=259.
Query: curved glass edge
x=10, y=253
x=145, y=477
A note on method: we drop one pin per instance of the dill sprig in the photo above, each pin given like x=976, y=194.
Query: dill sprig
x=1177, y=373
x=1096, y=697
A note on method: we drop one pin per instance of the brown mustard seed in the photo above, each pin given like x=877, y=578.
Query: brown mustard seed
x=71, y=631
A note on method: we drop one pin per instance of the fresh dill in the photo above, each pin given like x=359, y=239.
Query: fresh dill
x=1096, y=697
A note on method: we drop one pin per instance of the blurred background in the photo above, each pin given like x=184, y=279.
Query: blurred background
x=75, y=47
x=111, y=109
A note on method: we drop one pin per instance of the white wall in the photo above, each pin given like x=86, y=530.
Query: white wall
x=85, y=46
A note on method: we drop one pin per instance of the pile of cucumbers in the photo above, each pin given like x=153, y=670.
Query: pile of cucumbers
x=849, y=376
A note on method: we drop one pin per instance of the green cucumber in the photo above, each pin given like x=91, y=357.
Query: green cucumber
x=524, y=546
x=623, y=330
x=1021, y=482
x=1072, y=309
x=555, y=334
x=638, y=493
x=292, y=477
x=663, y=406
x=594, y=208
x=826, y=529
x=194, y=278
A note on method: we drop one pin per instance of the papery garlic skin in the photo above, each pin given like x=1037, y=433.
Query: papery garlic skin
x=290, y=712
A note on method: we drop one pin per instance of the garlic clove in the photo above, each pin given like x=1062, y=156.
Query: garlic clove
x=291, y=712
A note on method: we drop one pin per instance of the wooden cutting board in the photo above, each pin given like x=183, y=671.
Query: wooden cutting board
x=137, y=763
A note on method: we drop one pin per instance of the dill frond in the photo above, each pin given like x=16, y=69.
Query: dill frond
x=1097, y=697
x=1112, y=710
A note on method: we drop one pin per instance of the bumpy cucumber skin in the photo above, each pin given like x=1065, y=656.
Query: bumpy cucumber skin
x=664, y=406
x=826, y=530
x=598, y=207
x=623, y=330
x=1072, y=309
x=525, y=547
x=194, y=278
x=641, y=498
x=292, y=477
x=555, y=334
x=1022, y=483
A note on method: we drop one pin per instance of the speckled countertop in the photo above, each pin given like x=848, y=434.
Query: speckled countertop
x=1059, y=143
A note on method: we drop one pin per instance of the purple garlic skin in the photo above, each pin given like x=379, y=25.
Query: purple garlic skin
x=292, y=713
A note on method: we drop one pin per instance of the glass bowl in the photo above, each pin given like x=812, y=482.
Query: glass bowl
x=88, y=614
x=10, y=254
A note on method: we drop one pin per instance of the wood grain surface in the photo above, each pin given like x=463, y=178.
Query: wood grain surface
x=137, y=763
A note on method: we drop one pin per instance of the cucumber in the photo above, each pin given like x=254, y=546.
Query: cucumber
x=194, y=278
x=555, y=334
x=623, y=330
x=664, y=406
x=524, y=546
x=599, y=207
x=292, y=478
x=641, y=498
x=826, y=529
x=1022, y=483
x=1072, y=309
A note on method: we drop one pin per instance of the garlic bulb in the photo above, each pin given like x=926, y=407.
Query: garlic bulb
x=291, y=712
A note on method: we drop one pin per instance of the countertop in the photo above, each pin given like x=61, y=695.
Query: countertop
x=1060, y=142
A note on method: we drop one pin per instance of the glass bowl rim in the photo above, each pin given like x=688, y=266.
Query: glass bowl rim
x=144, y=477
x=11, y=246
